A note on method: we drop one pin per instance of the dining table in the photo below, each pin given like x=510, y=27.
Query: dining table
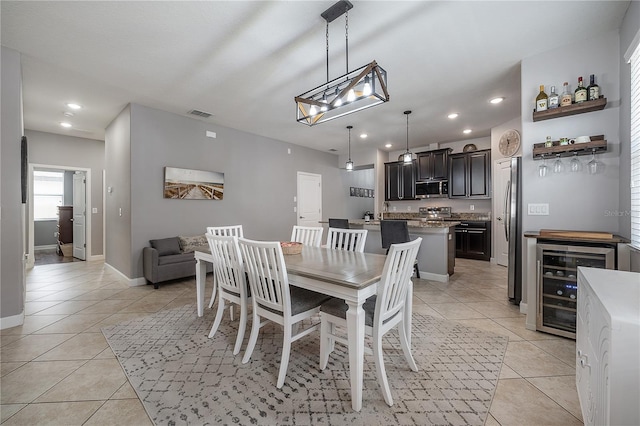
x=350, y=276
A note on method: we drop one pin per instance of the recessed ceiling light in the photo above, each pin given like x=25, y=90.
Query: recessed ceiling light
x=65, y=124
x=363, y=136
x=453, y=115
x=496, y=100
x=388, y=145
x=68, y=114
x=74, y=106
x=466, y=131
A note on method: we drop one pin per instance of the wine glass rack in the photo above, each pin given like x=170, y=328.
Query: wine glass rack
x=596, y=146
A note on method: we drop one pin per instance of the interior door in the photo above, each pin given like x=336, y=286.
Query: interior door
x=502, y=178
x=309, y=199
x=79, y=223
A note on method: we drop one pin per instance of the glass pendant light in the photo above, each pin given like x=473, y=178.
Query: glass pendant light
x=349, y=165
x=407, y=157
x=366, y=91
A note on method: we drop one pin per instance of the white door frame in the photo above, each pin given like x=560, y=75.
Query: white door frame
x=32, y=167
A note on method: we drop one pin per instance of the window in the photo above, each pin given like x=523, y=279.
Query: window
x=48, y=193
x=635, y=147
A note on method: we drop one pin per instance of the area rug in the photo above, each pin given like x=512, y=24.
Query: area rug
x=183, y=377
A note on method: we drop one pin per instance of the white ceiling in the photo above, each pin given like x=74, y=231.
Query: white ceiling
x=245, y=61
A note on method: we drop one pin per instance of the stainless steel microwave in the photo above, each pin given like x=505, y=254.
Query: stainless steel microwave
x=432, y=189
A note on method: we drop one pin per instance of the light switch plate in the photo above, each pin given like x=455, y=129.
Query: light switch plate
x=539, y=209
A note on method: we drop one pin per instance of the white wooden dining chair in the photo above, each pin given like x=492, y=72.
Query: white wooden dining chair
x=383, y=312
x=307, y=235
x=230, y=278
x=274, y=300
x=347, y=239
x=225, y=231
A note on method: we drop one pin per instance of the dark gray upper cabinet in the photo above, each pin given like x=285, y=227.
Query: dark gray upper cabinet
x=433, y=165
x=400, y=181
x=470, y=174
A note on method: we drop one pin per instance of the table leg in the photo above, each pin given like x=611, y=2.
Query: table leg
x=355, y=337
x=201, y=278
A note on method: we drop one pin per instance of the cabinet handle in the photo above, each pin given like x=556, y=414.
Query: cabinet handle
x=579, y=352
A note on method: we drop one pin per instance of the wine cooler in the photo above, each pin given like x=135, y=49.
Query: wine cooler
x=558, y=284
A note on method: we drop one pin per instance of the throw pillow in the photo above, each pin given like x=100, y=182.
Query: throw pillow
x=189, y=244
x=166, y=246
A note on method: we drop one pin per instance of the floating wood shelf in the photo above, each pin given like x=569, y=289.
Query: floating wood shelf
x=568, y=110
x=597, y=145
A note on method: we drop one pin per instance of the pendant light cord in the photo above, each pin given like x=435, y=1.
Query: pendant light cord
x=349, y=127
x=346, y=35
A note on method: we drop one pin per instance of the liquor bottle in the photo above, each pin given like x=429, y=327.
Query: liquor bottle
x=554, y=99
x=581, y=92
x=565, y=99
x=593, y=89
x=541, y=100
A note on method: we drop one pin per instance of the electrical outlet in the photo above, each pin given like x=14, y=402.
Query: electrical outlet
x=472, y=207
x=540, y=209
x=395, y=208
x=94, y=210
x=408, y=208
x=55, y=234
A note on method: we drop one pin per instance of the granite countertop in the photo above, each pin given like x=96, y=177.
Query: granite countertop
x=410, y=223
x=485, y=216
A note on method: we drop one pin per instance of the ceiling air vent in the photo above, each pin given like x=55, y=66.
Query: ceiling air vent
x=200, y=113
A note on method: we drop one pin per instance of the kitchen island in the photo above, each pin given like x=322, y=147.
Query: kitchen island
x=436, y=258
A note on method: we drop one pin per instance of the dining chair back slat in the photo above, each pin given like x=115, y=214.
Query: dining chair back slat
x=230, y=278
x=274, y=300
x=225, y=231
x=347, y=239
x=307, y=235
x=390, y=311
x=229, y=231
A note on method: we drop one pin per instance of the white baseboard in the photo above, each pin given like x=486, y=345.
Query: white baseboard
x=133, y=282
x=12, y=321
x=95, y=257
x=434, y=277
x=48, y=247
x=523, y=308
x=31, y=261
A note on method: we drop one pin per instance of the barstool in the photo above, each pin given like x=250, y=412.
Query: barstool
x=393, y=232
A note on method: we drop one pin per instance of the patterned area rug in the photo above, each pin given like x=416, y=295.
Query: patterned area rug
x=183, y=377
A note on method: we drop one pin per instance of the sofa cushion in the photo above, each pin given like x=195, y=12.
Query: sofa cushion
x=166, y=246
x=175, y=258
x=189, y=244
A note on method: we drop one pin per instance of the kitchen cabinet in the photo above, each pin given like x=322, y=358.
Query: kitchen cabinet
x=473, y=240
x=470, y=175
x=607, y=347
x=400, y=181
x=433, y=165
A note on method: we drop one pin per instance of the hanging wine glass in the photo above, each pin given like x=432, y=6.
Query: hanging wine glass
x=593, y=163
x=558, y=165
x=575, y=165
x=542, y=168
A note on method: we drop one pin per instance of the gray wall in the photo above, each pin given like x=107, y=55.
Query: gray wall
x=577, y=201
x=43, y=232
x=69, y=152
x=260, y=182
x=12, y=245
x=354, y=207
x=68, y=185
x=118, y=198
x=628, y=31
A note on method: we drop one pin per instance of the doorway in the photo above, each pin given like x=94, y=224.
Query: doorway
x=46, y=232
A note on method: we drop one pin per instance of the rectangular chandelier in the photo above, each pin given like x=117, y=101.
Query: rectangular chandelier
x=359, y=89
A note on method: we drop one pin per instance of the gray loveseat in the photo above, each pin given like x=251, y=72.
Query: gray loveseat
x=172, y=258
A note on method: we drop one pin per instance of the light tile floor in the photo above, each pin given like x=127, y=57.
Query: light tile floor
x=58, y=369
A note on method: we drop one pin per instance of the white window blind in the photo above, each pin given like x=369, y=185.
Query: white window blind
x=48, y=193
x=635, y=147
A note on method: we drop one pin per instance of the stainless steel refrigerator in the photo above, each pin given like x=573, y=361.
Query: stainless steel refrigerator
x=513, y=230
